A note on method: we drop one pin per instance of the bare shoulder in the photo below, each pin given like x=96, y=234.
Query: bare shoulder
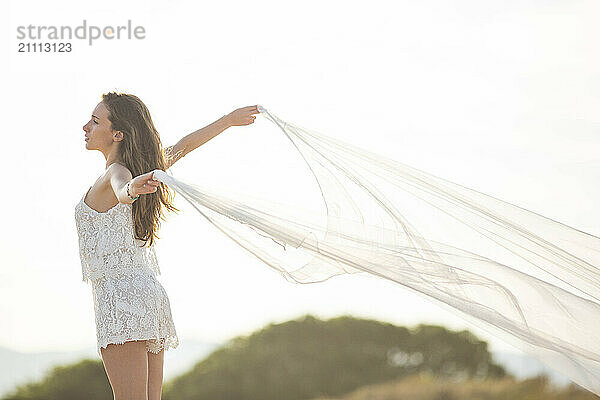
x=119, y=171
x=102, y=194
x=115, y=176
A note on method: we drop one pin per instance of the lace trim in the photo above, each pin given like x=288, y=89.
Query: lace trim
x=153, y=344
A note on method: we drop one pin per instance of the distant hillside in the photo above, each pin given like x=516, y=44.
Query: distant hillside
x=18, y=368
x=427, y=387
x=308, y=357
x=83, y=380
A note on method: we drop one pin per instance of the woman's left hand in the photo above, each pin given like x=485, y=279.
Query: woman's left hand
x=242, y=116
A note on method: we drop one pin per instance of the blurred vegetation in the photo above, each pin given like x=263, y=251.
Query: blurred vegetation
x=342, y=358
x=308, y=357
x=427, y=387
x=85, y=379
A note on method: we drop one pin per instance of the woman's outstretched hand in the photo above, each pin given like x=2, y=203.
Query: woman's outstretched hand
x=242, y=116
x=143, y=184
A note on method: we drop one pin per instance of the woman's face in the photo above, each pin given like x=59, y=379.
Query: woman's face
x=98, y=131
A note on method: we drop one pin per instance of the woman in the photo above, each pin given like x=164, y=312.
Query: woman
x=117, y=220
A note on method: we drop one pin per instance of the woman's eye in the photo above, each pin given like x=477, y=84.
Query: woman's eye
x=95, y=122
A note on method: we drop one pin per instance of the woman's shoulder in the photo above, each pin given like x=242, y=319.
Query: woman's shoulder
x=117, y=168
x=115, y=172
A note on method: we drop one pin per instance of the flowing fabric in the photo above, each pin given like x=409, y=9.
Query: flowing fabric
x=527, y=279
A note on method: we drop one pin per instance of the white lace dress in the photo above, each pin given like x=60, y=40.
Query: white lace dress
x=129, y=302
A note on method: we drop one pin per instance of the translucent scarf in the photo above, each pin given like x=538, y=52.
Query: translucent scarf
x=531, y=281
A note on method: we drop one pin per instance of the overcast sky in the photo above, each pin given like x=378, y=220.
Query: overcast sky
x=498, y=96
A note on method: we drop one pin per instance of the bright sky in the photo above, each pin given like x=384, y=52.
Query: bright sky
x=499, y=96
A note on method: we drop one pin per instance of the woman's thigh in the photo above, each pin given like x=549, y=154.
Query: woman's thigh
x=126, y=366
x=155, y=374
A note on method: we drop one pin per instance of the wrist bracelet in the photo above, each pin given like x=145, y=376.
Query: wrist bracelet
x=129, y=195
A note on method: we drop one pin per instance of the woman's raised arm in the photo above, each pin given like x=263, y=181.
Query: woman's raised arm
x=241, y=116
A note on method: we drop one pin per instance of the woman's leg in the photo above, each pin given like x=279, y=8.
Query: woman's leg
x=155, y=374
x=126, y=366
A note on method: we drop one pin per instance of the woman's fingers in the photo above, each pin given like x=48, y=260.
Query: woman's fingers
x=148, y=188
x=152, y=180
x=249, y=117
x=249, y=110
x=146, y=183
x=151, y=183
x=243, y=115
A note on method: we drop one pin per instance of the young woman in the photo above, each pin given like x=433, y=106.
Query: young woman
x=117, y=221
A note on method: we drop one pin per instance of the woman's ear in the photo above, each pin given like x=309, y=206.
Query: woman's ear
x=117, y=136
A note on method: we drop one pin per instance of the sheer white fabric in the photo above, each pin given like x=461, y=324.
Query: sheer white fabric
x=527, y=279
x=129, y=302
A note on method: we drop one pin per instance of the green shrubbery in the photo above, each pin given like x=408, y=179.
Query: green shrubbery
x=342, y=358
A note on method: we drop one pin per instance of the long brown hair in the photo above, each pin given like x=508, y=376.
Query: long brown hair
x=141, y=151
